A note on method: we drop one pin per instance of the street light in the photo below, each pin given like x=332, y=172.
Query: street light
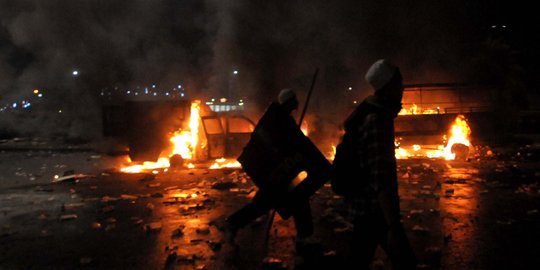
x=232, y=84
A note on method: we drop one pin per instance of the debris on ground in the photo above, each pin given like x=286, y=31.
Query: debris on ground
x=271, y=263
x=178, y=232
x=68, y=217
x=224, y=185
x=153, y=227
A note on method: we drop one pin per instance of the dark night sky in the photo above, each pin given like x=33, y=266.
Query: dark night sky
x=274, y=44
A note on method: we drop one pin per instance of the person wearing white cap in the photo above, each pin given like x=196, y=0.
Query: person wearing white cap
x=373, y=191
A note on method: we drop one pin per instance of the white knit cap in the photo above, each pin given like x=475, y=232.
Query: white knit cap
x=380, y=73
x=285, y=95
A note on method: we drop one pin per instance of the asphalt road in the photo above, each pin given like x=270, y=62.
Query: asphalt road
x=477, y=214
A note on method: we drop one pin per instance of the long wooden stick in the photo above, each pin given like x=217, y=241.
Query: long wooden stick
x=308, y=97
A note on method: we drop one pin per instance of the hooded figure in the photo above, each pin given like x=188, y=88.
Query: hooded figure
x=276, y=153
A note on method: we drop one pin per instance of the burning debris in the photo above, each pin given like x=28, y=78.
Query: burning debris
x=457, y=146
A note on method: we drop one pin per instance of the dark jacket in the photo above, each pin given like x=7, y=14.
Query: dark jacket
x=371, y=129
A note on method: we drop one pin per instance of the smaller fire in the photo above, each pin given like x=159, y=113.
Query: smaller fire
x=221, y=163
x=414, y=109
x=459, y=134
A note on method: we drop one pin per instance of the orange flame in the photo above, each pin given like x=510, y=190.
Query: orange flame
x=185, y=141
x=304, y=127
x=459, y=133
x=184, y=144
x=221, y=163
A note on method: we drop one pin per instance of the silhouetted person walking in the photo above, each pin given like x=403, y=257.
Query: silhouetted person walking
x=373, y=191
x=276, y=137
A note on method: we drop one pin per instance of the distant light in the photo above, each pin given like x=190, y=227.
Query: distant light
x=179, y=86
x=354, y=102
x=102, y=93
x=167, y=93
x=504, y=26
x=75, y=73
x=40, y=95
x=146, y=90
x=350, y=88
x=136, y=93
x=59, y=111
x=182, y=94
x=128, y=92
x=36, y=91
x=222, y=100
x=153, y=86
x=235, y=72
x=213, y=100
x=494, y=26
x=14, y=105
x=241, y=100
x=155, y=94
x=240, y=104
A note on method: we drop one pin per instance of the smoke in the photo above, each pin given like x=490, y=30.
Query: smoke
x=279, y=44
x=272, y=45
x=109, y=42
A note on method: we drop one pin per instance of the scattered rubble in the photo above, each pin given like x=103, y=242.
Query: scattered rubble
x=68, y=217
x=153, y=227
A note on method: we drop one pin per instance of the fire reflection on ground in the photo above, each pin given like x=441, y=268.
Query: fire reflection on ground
x=459, y=208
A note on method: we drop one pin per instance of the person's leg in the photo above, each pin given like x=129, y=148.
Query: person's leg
x=399, y=250
x=259, y=206
x=303, y=219
x=366, y=238
x=307, y=246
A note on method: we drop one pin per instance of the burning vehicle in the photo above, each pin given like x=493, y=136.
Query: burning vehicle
x=437, y=120
x=176, y=133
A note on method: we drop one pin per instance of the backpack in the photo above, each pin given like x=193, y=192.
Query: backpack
x=346, y=170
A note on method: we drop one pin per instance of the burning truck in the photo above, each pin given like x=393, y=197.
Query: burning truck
x=437, y=120
x=176, y=133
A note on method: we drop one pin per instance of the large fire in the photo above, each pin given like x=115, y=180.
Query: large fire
x=459, y=134
x=185, y=143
